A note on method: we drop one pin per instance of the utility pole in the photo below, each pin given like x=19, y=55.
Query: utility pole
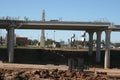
x=42, y=38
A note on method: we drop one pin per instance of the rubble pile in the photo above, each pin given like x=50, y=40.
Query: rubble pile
x=55, y=74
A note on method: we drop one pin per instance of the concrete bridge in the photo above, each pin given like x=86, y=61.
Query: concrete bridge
x=90, y=27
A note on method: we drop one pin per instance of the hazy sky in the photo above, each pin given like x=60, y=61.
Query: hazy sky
x=67, y=10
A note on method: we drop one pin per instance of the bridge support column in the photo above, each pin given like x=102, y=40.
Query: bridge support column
x=70, y=64
x=10, y=43
x=42, y=39
x=107, y=49
x=98, y=53
x=90, y=42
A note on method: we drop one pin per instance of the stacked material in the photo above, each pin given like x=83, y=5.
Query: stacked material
x=54, y=74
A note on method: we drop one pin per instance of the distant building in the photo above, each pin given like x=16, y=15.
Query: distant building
x=21, y=41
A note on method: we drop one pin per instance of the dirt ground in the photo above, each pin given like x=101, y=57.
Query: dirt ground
x=32, y=66
x=10, y=71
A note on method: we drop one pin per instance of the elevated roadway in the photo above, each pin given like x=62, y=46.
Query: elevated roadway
x=56, y=25
x=64, y=25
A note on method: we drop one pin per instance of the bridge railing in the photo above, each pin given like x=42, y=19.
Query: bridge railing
x=9, y=18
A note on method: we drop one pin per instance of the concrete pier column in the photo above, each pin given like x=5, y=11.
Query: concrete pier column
x=107, y=49
x=10, y=43
x=73, y=64
x=98, y=53
x=70, y=64
x=79, y=61
x=90, y=49
x=80, y=64
x=42, y=38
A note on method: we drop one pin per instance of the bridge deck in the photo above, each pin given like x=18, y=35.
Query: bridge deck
x=54, y=25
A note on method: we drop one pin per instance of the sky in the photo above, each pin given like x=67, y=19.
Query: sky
x=66, y=10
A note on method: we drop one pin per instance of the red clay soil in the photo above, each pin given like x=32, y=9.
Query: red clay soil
x=51, y=72
x=54, y=74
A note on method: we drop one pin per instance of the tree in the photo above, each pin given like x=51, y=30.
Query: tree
x=35, y=41
x=49, y=41
x=30, y=42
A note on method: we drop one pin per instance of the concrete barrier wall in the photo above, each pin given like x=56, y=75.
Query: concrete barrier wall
x=40, y=56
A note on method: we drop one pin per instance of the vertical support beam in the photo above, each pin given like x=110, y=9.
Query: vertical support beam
x=98, y=53
x=42, y=39
x=70, y=64
x=73, y=64
x=10, y=43
x=79, y=62
x=90, y=42
x=107, y=49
